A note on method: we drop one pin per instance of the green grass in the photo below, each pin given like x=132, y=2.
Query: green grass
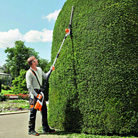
x=81, y=135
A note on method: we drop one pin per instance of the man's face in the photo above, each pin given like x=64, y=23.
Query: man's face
x=35, y=62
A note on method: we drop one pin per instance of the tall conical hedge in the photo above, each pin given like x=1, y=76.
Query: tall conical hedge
x=94, y=87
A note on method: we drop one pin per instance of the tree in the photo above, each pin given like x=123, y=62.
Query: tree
x=16, y=58
x=44, y=64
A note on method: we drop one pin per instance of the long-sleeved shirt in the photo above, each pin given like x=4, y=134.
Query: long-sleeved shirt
x=32, y=82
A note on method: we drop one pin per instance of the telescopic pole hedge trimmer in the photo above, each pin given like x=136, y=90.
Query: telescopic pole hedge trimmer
x=68, y=32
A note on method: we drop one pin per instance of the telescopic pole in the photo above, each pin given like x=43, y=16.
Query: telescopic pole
x=68, y=32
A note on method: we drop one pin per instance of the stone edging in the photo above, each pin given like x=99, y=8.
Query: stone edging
x=17, y=112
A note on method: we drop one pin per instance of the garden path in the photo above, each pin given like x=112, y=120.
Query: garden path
x=16, y=126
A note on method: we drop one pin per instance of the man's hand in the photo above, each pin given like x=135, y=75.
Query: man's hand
x=52, y=68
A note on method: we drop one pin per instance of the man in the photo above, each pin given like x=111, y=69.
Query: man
x=34, y=87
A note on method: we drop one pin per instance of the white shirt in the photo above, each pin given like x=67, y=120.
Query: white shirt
x=32, y=82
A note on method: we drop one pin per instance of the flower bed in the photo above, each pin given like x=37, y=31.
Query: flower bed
x=13, y=105
x=17, y=96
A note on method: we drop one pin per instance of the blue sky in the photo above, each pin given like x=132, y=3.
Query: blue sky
x=31, y=21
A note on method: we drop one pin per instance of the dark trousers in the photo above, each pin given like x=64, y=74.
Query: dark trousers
x=32, y=116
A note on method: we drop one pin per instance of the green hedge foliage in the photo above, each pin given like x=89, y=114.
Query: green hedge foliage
x=94, y=87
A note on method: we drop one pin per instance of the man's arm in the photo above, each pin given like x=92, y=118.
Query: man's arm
x=45, y=75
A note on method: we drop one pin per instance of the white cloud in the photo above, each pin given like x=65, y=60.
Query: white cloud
x=52, y=16
x=37, y=36
x=7, y=39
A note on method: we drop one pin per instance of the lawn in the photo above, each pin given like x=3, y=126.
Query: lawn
x=81, y=135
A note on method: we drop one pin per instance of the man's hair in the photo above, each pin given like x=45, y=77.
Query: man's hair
x=29, y=60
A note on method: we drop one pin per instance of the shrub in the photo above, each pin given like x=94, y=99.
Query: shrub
x=94, y=87
x=5, y=87
x=19, y=83
x=2, y=97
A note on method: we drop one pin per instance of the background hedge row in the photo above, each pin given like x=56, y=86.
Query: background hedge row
x=94, y=87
